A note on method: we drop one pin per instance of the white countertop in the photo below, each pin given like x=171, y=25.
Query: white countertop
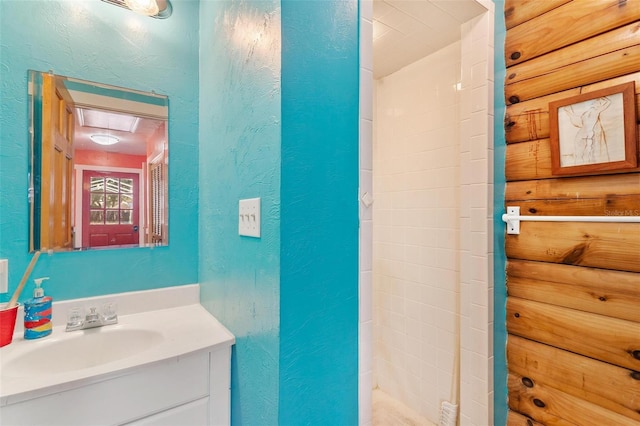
x=184, y=329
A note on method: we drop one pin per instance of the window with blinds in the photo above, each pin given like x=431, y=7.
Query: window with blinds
x=157, y=193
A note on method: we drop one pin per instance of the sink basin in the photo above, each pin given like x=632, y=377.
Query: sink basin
x=81, y=349
x=70, y=360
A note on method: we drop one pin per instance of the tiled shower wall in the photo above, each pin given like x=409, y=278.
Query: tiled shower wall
x=476, y=220
x=415, y=230
x=469, y=237
x=365, y=335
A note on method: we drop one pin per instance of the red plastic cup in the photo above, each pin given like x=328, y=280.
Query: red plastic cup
x=7, y=324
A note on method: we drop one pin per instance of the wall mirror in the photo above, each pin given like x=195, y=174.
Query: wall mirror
x=98, y=173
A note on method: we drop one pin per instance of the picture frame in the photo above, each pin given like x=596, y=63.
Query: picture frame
x=594, y=132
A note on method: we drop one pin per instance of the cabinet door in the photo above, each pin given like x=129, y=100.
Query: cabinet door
x=136, y=394
x=194, y=413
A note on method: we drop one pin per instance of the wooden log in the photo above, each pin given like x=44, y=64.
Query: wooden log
x=611, y=205
x=607, y=339
x=601, y=291
x=528, y=160
x=532, y=160
x=615, y=82
x=553, y=407
x=566, y=25
x=574, y=187
x=518, y=11
x=529, y=120
x=598, y=245
x=606, y=385
x=617, y=39
x=533, y=121
x=517, y=419
x=604, y=67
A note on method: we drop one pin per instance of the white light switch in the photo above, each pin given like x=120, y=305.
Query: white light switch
x=249, y=217
x=4, y=275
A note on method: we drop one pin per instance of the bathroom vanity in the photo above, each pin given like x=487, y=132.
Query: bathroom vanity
x=164, y=366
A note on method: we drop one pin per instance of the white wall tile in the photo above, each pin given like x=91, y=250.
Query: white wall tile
x=367, y=296
x=465, y=170
x=479, y=74
x=366, y=150
x=479, y=98
x=366, y=10
x=366, y=96
x=366, y=350
x=366, y=238
x=366, y=190
x=365, y=385
x=479, y=124
x=465, y=132
x=479, y=147
x=477, y=172
x=366, y=40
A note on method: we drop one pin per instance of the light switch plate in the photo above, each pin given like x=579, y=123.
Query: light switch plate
x=249, y=217
x=4, y=275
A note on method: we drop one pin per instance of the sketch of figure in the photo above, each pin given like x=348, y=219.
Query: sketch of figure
x=590, y=144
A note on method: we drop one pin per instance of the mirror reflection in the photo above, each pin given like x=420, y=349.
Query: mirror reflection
x=98, y=174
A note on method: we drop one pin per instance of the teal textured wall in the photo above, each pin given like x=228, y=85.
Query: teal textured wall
x=500, y=408
x=290, y=297
x=240, y=158
x=283, y=126
x=319, y=242
x=95, y=41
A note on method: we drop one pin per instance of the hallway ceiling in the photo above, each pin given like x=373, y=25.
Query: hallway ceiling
x=407, y=30
x=133, y=141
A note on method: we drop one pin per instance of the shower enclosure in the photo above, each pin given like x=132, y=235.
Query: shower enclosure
x=426, y=208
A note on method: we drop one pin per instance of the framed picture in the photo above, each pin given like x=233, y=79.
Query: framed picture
x=594, y=132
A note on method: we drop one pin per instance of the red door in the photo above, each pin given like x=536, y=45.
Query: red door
x=110, y=205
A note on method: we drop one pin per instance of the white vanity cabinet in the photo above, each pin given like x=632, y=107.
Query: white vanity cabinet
x=166, y=362
x=191, y=389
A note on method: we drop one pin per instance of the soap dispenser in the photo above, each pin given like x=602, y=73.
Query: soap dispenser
x=37, y=313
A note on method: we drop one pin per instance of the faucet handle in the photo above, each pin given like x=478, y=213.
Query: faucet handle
x=92, y=315
x=74, y=318
x=109, y=312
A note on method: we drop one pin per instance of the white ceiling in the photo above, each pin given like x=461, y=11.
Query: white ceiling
x=132, y=142
x=407, y=30
x=132, y=122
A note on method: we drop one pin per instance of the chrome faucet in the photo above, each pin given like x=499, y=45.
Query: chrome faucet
x=92, y=318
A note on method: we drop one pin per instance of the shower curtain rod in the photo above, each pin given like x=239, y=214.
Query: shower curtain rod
x=512, y=218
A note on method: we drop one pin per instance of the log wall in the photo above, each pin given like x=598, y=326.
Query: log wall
x=573, y=305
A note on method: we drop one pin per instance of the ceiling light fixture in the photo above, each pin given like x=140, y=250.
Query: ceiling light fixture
x=104, y=139
x=144, y=7
x=159, y=9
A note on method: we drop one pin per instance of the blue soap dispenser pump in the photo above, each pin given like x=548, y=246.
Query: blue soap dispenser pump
x=37, y=313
